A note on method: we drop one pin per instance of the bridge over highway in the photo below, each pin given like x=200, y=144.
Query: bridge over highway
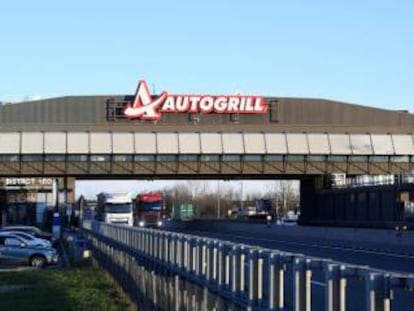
x=176, y=136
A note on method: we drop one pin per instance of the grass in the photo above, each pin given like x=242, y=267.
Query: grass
x=83, y=288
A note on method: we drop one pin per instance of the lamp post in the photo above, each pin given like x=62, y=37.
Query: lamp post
x=218, y=199
x=241, y=194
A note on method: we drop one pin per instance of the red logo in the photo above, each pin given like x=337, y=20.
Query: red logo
x=146, y=108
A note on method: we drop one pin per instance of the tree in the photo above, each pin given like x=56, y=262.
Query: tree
x=285, y=196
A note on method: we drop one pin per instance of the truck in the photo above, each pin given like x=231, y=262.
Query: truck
x=263, y=205
x=115, y=208
x=183, y=212
x=149, y=209
x=260, y=209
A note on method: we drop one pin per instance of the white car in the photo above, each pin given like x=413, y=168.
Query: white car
x=289, y=222
x=30, y=239
x=28, y=229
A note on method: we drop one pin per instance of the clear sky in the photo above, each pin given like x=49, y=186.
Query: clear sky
x=355, y=51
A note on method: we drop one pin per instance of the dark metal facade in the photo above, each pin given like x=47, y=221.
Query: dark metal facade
x=365, y=206
x=99, y=113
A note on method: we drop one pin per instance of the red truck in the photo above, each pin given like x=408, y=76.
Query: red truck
x=149, y=210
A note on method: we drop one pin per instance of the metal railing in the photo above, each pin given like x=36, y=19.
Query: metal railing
x=248, y=276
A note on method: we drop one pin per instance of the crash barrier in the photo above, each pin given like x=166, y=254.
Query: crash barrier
x=252, y=277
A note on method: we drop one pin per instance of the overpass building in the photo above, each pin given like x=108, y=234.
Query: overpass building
x=201, y=137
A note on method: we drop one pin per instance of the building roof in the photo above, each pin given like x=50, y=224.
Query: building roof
x=97, y=113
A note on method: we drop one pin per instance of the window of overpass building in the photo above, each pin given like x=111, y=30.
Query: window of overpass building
x=9, y=158
x=231, y=158
x=55, y=158
x=77, y=158
x=378, y=159
x=144, y=158
x=358, y=158
x=210, y=158
x=32, y=158
x=295, y=158
x=273, y=158
x=122, y=158
x=400, y=159
x=193, y=117
x=187, y=158
x=235, y=117
x=253, y=158
x=336, y=158
x=273, y=111
x=316, y=158
x=100, y=158
x=166, y=158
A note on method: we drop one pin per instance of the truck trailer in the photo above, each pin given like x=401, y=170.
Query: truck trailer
x=183, y=212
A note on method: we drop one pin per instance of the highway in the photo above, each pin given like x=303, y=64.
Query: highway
x=387, y=258
x=375, y=255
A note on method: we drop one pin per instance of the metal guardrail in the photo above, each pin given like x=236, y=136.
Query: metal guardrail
x=248, y=276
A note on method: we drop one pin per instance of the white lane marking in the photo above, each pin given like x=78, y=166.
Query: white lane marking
x=318, y=283
x=315, y=245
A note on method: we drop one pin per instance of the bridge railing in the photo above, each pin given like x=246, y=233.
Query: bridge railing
x=248, y=276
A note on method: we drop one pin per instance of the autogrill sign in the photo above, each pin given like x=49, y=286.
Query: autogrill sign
x=146, y=108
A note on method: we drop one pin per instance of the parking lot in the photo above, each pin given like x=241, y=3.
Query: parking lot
x=27, y=247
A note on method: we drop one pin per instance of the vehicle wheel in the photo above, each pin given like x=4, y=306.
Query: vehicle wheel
x=37, y=261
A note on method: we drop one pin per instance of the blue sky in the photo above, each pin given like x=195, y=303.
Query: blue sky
x=354, y=51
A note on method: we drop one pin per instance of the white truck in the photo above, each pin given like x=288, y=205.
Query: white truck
x=115, y=208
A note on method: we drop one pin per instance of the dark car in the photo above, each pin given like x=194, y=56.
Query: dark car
x=13, y=249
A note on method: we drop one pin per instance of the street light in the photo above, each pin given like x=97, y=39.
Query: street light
x=218, y=199
x=241, y=194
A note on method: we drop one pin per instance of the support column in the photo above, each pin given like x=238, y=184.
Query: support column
x=3, y=206
x=308, y=187
x=69, y=189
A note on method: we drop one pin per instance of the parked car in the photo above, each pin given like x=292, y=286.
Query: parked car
x=31, y=230
x=287, y=222
x=30, y=239
x=13, y=249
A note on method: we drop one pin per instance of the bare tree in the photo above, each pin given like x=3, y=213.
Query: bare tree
x=285, y=196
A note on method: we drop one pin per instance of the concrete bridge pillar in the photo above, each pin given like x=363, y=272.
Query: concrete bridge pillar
x=69, y=189
x=308, y=188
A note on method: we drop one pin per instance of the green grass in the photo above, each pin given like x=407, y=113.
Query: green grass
x=84, y=288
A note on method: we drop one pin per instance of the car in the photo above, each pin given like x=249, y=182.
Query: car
x=289, y=222
x=31, y=230
x=13, y=249
x=30, y=239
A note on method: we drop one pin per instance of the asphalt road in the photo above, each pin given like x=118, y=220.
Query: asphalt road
x=354, y=254
x=260, y=235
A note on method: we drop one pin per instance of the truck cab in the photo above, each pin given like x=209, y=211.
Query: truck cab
x=115, y=208
x=149, y=210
